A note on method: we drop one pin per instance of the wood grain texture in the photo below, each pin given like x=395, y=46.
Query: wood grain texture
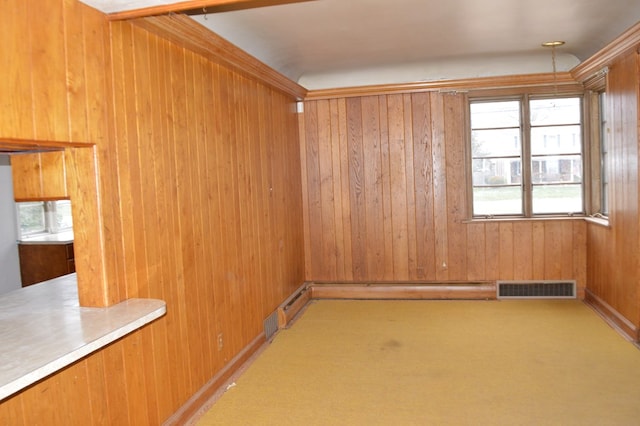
x=613, y=267
x=188, y=191
x=186, y=32
x=404, y=179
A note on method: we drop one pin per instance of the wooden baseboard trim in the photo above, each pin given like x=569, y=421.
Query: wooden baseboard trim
x=611, y=316
x=415, y=291
x=200, y=398
x=293, y=305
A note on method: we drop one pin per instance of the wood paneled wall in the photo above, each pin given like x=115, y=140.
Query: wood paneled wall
x=385, y=200
x=613, y=252
x=200, y=202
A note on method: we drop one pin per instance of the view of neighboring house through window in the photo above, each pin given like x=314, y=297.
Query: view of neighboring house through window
x=526, y=157
x=496, y=150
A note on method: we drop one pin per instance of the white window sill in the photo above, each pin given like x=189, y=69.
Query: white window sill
x=602, y=221
x=522, y=219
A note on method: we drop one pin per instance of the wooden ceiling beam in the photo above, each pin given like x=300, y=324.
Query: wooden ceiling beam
x=206, y=6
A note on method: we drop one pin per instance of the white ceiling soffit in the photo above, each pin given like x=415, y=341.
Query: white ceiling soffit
x=340, y=43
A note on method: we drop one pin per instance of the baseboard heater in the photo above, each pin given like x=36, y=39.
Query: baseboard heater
x=551, y=289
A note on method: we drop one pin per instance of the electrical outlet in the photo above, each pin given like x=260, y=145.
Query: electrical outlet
x=220, y=342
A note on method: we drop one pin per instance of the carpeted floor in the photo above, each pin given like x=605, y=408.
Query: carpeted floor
x=510, y=362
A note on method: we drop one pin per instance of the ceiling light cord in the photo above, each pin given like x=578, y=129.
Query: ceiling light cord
x=553, y=45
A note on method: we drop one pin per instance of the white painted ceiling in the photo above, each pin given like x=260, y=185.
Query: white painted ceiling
x=337, y=43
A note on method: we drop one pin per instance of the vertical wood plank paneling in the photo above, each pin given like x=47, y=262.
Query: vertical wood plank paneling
x=210, y=208
x=398, y=186
x=424, y=189
x=410, y=196
x=155, y=340
x=116, y=385
x=385, y=189
x=523, y=247
x=313, y=185
x=356, y=189
x=579, y=250
x=75, y=70
x=439, y=176
x=15, y=85
x=538, y=249
x=135, y=372
x=455, y=186
x=174, y=280
x=27, y=177
x=48, y=53
x=187, y=152
x=189, y=223
x=506, y=251
x=325, y=161
x=613, y=266
x=264, y=158
x=74, y=387
x=119, y=37
x=492, y=250
x=12, y=412
x=373, y=196
x=476, y=253
x=406, y=173
x=338, y=132
x=552, y=250
x=43, y=403
x=96, y=389
x=302, y=130
x=345, y=213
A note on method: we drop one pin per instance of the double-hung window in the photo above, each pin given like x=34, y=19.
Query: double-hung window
x=526, y=157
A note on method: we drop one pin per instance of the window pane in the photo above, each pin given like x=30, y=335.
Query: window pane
x=502, y=200
x=63, y=215
x=31, y=217
x=495, y=143
x=556, y=140
x=556, y=169
x=557, y=199
x=491, y=115
x=497, y=171
x=604, y=148
x=555, y=111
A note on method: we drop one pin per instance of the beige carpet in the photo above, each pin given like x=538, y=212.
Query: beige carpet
x=439, y=363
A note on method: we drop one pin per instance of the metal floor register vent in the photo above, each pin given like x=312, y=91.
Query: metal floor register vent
x=536, y=289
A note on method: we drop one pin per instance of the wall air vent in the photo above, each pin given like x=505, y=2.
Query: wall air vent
x=271, y=325
x=536, y=289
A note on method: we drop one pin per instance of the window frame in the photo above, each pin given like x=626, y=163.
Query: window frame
x=527, y=186
x=600, y=145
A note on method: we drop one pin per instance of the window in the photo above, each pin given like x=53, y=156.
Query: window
x=44, y=217
x=526, y=157
x=603, y=151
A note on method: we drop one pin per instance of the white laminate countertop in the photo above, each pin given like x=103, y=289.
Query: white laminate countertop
x=43, y=329
x=59, y=238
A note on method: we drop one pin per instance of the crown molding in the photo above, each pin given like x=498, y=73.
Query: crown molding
x=205, y=6
x=624, y=43
x=559, y=82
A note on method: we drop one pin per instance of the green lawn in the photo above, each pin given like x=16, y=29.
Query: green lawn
x=546, y=199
